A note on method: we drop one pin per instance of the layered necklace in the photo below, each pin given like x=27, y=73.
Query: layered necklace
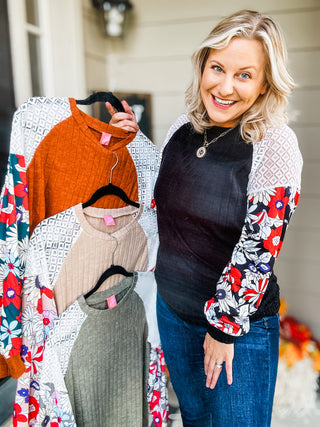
x=202, y=151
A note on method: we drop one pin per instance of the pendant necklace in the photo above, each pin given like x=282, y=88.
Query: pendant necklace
x=201, y=152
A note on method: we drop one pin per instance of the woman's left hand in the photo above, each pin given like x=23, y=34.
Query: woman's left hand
x=216, y=352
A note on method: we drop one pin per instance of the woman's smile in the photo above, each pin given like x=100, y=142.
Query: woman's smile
x=222, y=103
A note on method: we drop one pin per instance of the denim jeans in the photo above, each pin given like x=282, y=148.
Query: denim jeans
x=245, y=403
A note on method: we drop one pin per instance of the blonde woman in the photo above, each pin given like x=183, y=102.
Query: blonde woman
x=228, y=184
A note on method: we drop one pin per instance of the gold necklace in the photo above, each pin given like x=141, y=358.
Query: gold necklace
x=201, y=151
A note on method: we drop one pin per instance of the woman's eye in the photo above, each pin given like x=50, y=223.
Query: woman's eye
x=217, y=68
x=245, y=76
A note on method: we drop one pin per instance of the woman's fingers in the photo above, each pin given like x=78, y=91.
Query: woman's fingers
x=126, y=120
x=127, y=109
x=228, y=367
x=126, y=125
x=111, y=109
x=212, y=372
x=217, y=356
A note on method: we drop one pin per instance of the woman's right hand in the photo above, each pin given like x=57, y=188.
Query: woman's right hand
x=126, y=120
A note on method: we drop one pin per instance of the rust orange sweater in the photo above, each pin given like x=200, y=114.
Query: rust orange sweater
x=70, y=164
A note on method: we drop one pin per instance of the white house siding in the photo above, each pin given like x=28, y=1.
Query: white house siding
x=155, y=58
x=95, y=48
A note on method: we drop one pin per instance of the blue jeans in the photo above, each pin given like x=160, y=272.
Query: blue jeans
x=245, y=403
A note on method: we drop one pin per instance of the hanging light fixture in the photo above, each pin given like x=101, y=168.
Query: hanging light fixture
x=115, y=13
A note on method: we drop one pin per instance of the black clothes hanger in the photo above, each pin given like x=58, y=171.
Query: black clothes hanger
x=102, y=97
x=109, y=190
x=111, y=271
x=112, y=190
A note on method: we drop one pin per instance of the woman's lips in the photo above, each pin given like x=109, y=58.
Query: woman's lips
x=225, y=104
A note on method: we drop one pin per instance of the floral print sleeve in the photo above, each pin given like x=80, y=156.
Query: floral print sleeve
x=37, y=401
x=14, y=236
x=31, y=122
x=273, y=194
x=157, y=388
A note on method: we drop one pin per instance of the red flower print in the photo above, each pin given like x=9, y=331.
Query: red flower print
x=21, y=161
x=21, y=190
x=234, y=277
x=165, y=415
x=273, y=243
x=11, y=288
x=33, y=361
x=256, y=293
x=261, y=216
x=209, y=303
x=155, y=399
x=152, y=368
x=39, y=306
x=38, y=358
x=8, y=214
x=235, y=327
x=278, y=204
x=16, y=345
x=17, y=416
x=48, y=292
x=34, y=405
x=27, y=361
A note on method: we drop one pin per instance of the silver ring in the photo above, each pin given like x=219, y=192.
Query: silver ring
x=219, y=365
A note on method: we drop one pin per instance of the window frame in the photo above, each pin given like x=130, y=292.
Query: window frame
x=21, y=65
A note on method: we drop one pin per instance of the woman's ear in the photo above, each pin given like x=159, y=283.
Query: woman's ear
x=264, y=89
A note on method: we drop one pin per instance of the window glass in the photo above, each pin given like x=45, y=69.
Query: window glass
x=35, y=64
x=32, y=12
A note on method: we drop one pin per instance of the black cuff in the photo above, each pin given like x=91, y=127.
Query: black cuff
x=220, y=336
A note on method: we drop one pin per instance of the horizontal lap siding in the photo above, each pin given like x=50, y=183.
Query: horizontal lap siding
x=94, y=49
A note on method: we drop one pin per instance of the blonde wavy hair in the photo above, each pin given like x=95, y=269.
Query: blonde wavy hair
x=269, y=110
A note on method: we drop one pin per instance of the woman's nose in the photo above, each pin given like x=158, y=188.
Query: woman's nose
x=226, y=86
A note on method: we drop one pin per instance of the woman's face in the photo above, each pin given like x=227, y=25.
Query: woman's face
x=232, y=80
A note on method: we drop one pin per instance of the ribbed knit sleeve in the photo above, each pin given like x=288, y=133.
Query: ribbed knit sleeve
x=273, y=194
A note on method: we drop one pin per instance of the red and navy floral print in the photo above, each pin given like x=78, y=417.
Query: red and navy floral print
x=244, y=280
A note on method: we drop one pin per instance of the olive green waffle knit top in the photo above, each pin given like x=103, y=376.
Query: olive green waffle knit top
x=108, y=366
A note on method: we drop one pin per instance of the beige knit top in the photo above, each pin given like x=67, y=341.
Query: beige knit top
x=97, y=247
